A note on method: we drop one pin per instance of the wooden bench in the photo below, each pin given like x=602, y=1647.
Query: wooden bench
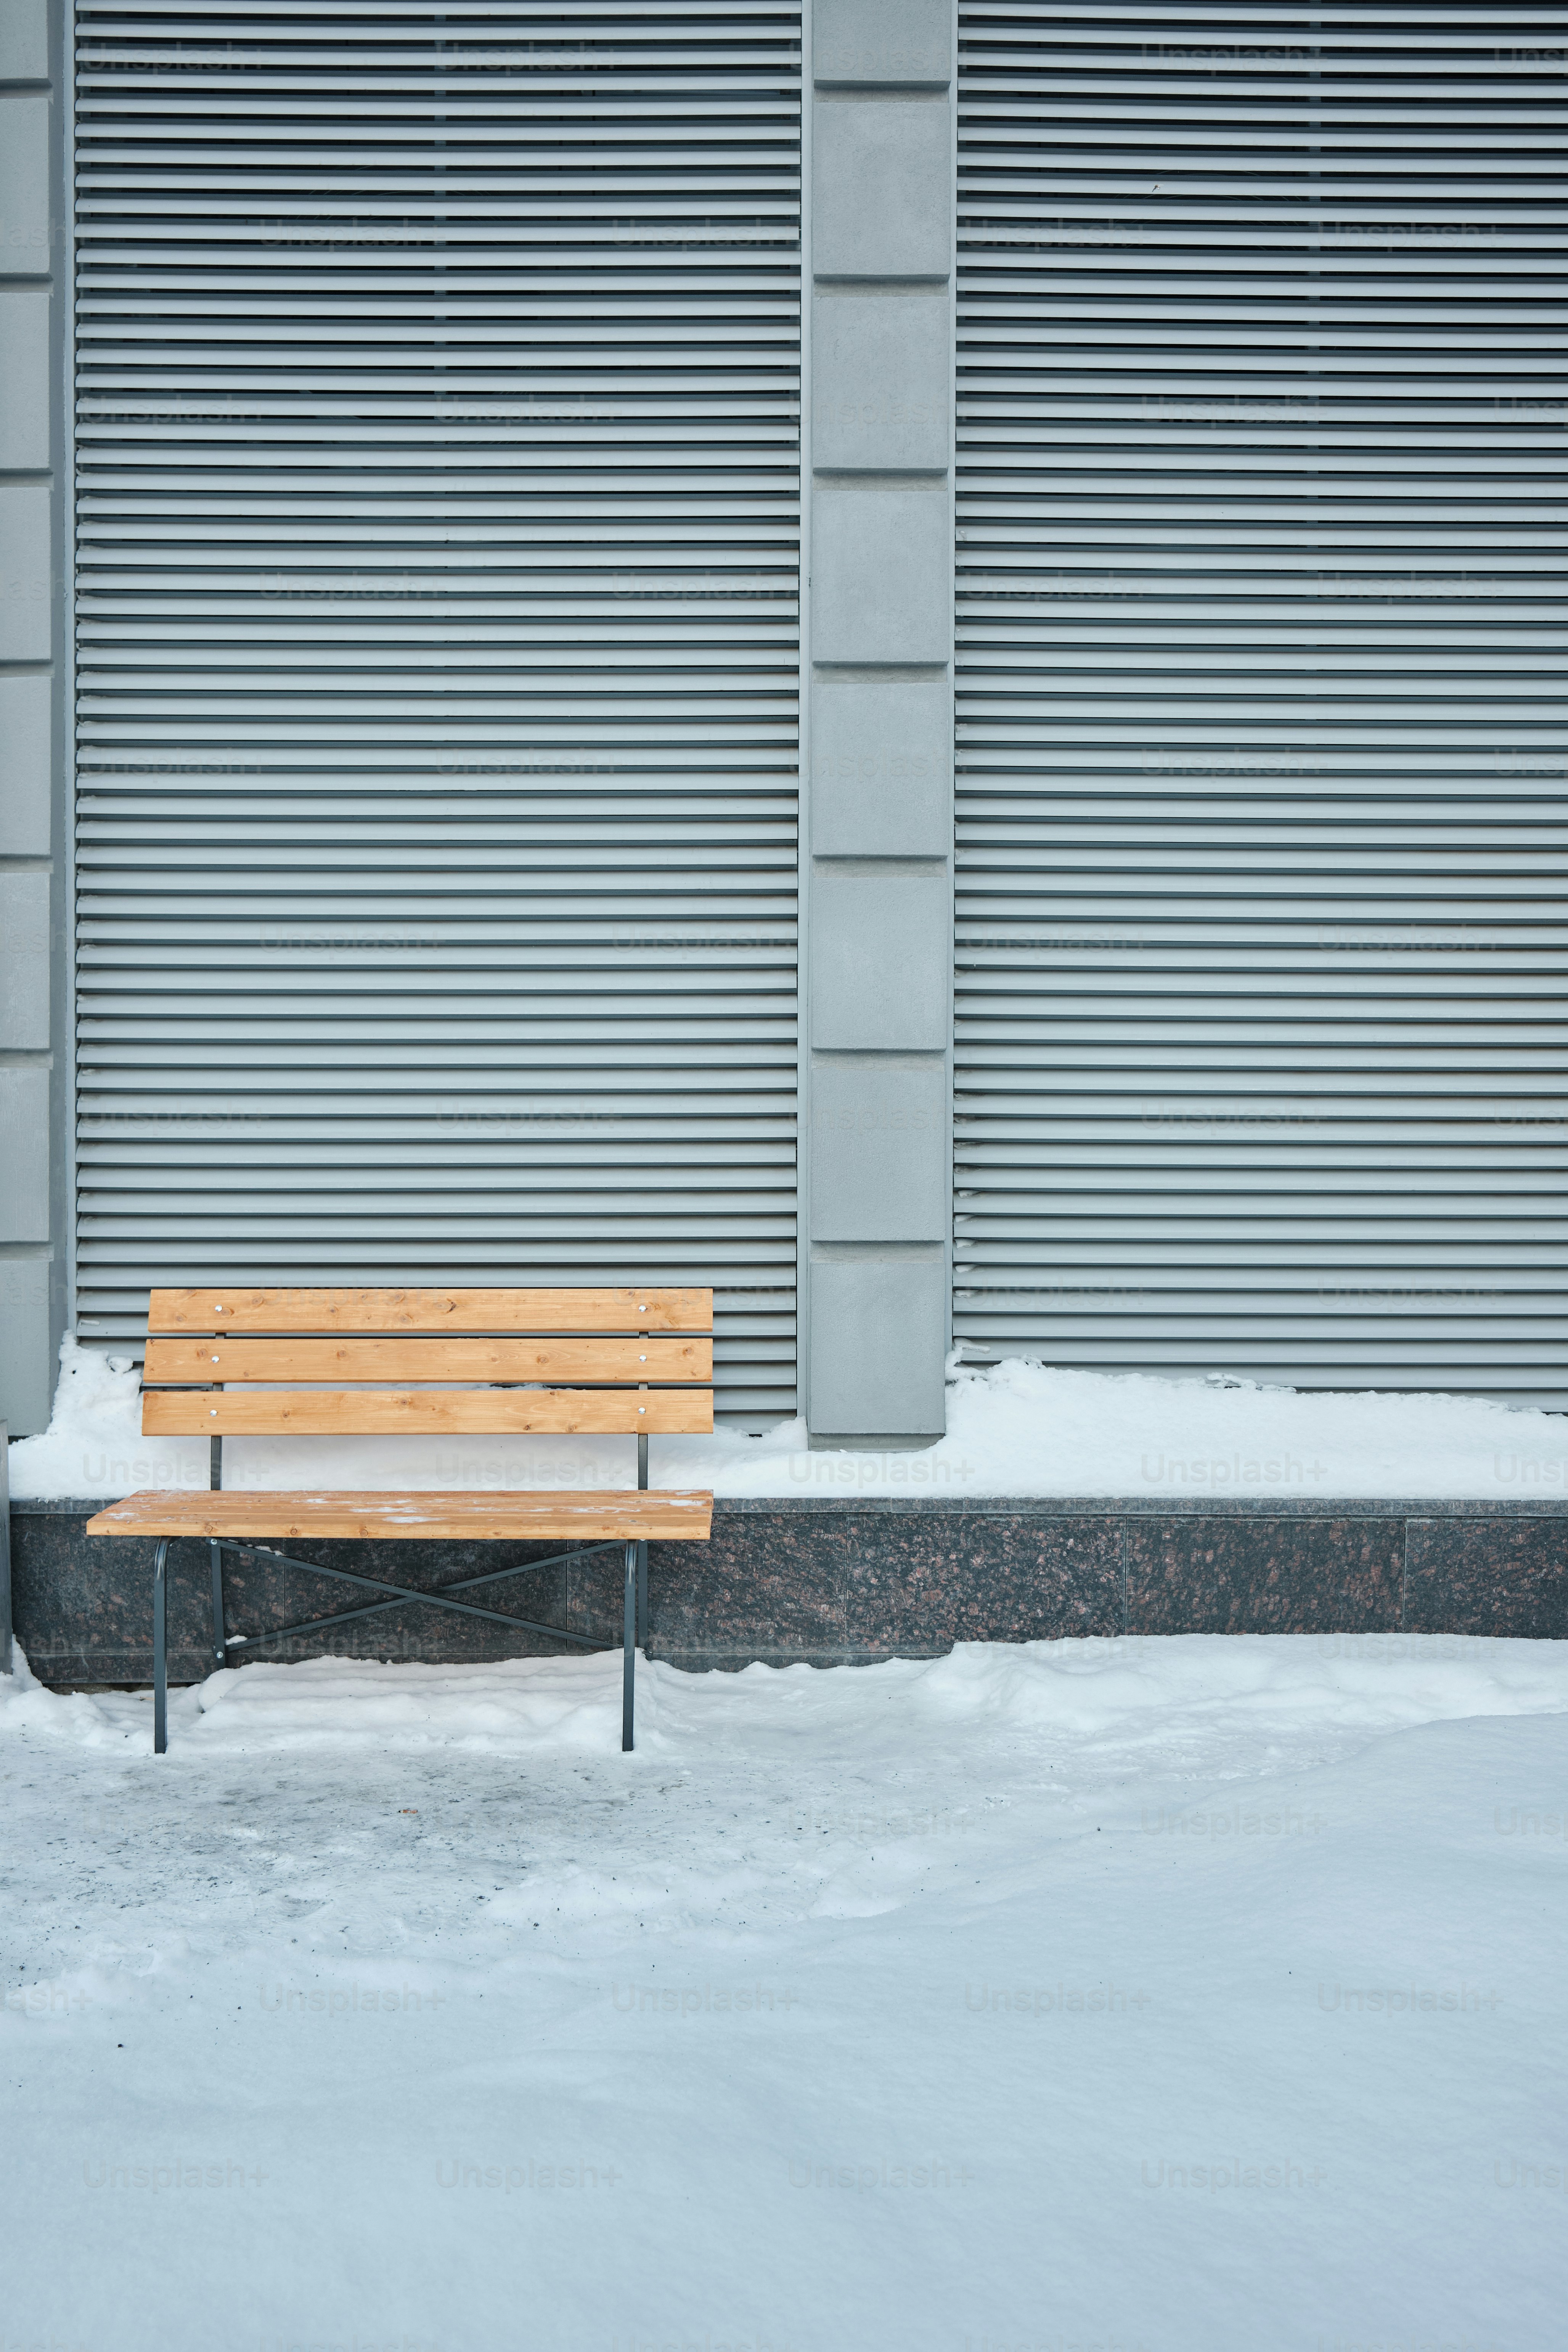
x=225, y=1363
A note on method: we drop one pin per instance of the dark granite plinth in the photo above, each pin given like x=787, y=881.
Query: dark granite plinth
x=857, y=1583
x=1227, y=1575
x=1465, y=1576
x=84, y=1611
x=828, y=1580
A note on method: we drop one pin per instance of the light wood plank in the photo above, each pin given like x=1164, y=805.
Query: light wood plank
x=454, y=1412
x=222, y=1309
x=559, y=1361
x=664, y=1515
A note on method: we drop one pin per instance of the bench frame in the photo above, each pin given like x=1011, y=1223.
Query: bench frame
x=634, y=1632
x=607, y=1411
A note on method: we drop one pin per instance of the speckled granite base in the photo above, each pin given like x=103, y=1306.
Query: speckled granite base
x=1224, y=1575
x=788, y=1582
x=1466, y=1577
x=830, y=1580
x=84, y=1613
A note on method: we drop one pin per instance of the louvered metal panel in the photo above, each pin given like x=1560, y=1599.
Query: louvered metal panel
x=438, y=401
x=1260, y=1036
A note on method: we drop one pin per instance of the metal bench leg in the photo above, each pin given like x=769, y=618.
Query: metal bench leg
x=220, y=1651
x=630, y=1649
x=215, y=1554
x=160, y=1650
x=642, y=1549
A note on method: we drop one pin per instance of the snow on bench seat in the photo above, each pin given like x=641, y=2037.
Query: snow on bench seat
x=659, y=1514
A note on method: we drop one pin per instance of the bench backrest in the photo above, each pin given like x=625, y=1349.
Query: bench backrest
x=231, y=1363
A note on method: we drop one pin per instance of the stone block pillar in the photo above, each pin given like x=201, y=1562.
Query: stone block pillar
x=876, y=759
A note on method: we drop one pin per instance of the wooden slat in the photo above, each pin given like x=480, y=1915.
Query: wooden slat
x=451, y=1413
x=188, y=1362
x=220, y=1310
x=664, y=1515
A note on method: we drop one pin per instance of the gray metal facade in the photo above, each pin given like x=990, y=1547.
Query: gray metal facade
x=461, y=738
x=438, y=641
x=1261, y=754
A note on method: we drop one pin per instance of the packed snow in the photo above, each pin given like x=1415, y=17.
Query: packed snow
x=1185, y=1995
x=1015, y=1428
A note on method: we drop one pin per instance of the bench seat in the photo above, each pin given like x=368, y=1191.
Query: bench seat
x=657, y=1514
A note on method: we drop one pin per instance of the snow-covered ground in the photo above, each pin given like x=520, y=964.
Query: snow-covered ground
x=1015, y=1429
x=1192, y=1995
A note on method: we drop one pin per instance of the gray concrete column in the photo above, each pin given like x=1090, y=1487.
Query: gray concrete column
x=876, y=759
x=31, y=833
